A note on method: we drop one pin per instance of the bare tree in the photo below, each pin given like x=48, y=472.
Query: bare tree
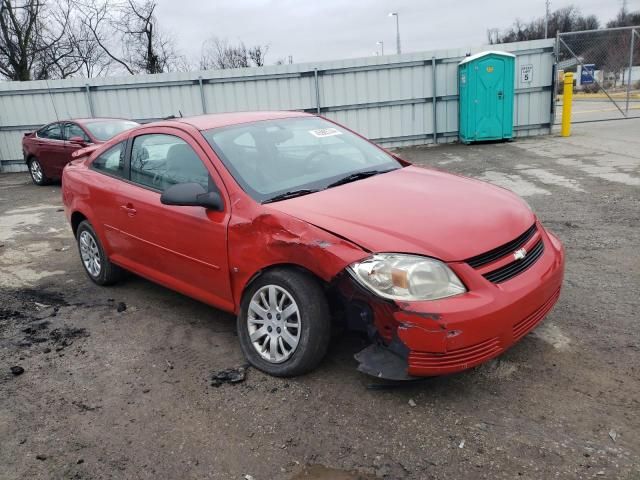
x=219, y=54
x=625, y=19
x=92, y=58
x=567, y=19
x=257, y=54
x=33, y=43
x=129, y=35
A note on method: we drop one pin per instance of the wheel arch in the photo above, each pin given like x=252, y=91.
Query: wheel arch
x=76, y=219
x=279, y=266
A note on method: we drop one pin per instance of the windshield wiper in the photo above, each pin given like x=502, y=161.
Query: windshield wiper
x=357, y=176
x=291, y=194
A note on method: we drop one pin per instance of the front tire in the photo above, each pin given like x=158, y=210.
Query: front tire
x=95, y=262
x=284, y=325
x=37, y=173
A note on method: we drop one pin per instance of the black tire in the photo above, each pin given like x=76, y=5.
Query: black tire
x=108, y=273
x=314, y=320
x=37, y=173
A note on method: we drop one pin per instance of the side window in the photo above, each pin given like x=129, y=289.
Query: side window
x=52, y=132
x=159, y=161
x=72, y=130
x=111, y=161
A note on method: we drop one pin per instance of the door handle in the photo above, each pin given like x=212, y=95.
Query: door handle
x=129, y=209
x=499, y=95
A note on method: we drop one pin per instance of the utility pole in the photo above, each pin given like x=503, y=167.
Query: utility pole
x=546, y=19
x=395, y=14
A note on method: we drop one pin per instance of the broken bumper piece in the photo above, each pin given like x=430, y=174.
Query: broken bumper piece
x=418, y=339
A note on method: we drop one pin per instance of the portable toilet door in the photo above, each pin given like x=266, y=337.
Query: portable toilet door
x=486, y=94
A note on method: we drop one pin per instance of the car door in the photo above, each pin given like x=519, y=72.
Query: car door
x=184, y=248
x=50, y=149
x=107, y=189
x=72, y=130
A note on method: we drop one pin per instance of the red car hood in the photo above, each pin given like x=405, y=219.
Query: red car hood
x=416, y=210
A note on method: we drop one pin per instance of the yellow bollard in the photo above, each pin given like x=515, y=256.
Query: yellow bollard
x=567, y=98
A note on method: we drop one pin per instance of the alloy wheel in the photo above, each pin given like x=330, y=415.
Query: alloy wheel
x=90, y=253
x=36, y=171
x=274, y=323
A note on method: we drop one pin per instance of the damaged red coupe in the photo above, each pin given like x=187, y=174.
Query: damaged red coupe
x=294, y=222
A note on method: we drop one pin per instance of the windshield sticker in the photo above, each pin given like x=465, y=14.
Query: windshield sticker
x=325, y=132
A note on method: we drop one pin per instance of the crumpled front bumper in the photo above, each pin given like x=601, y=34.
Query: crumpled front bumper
x=454, y=334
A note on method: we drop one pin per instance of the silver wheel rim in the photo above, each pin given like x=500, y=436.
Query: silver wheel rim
x=90, y=254
x=36, y=171
x=274, y=323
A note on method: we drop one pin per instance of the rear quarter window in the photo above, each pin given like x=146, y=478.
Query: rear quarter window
x=111, y=161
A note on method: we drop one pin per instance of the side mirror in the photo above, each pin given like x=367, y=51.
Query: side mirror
x=78, y=141
x=191, y=195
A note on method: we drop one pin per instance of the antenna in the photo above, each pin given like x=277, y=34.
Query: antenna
x=55, y=110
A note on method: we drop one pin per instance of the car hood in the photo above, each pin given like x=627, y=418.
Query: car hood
x=416, y=210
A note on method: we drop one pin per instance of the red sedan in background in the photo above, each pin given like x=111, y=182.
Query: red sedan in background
x=291, y=221
x=48, y=150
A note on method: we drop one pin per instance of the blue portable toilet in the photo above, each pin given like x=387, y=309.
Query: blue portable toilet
x=486, y=93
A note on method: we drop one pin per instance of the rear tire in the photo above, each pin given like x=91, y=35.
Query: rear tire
x=37, y=173
x=94, y=260
x=284, y=324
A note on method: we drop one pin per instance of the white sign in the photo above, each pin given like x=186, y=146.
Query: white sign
x=526, y=73
x=325, y=132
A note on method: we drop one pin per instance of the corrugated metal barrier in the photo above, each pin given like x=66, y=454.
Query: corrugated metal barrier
x=396, y=100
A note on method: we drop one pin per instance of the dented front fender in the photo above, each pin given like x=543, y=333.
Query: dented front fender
x=274, y=238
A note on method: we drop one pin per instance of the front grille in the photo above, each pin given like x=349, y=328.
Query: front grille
x=499, y=252
x=516, y=267
x=524, y=326
x=460, y=358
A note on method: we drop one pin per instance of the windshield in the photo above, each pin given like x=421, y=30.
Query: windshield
x=275, y=157
x=105, y=129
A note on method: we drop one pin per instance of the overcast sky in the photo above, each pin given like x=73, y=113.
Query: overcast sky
x=333, y=29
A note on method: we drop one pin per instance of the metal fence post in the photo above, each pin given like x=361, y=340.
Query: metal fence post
x=633, y=33
x=433, y=101
x=554, y=83
x=202, y=99
x=87, y=90
x=315, y=76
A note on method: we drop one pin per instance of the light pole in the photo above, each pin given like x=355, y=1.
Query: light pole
x=395, y=14
x=381, y=43
x=546, y=19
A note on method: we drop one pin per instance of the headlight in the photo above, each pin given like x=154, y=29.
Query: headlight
x=407, y=277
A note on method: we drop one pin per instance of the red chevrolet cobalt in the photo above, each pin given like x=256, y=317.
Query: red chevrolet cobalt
x=294, y=223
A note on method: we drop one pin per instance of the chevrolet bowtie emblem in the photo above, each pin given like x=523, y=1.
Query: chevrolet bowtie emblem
x=520, y=254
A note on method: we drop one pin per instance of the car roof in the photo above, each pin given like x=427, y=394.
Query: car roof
x=82, y=121
x=216, y=120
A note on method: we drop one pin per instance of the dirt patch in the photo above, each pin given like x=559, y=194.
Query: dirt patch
x=28, y=323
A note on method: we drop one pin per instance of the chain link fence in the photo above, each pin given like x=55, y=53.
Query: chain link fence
x=606, y=68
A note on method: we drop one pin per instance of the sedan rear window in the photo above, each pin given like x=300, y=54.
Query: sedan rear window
x=53, y=132
x=105, y=129
x=270, y=158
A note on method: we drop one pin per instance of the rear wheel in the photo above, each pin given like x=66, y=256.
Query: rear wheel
x=284, y=323
x=37, y=173
x=95, y=262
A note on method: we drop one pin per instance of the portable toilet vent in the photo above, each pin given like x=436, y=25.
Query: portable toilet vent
x=486, y=91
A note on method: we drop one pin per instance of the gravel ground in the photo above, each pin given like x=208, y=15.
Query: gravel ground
x=117, y=381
